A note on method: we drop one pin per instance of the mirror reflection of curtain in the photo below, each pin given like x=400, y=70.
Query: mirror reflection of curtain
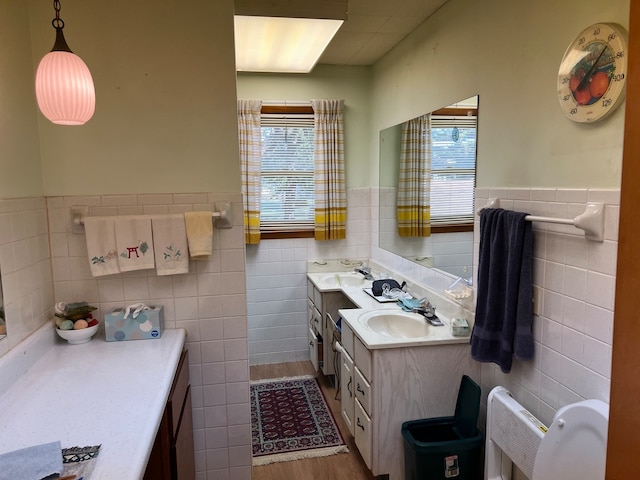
x=414, y=180
x=250, y=140
x=330, y=189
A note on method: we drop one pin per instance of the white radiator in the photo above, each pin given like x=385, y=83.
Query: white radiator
x=513, y=436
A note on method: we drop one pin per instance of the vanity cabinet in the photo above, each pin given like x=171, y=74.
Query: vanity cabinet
x=172, y=457
x=384, y=387
x=322, y=307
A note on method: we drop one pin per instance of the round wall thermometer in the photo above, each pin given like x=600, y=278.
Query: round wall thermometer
x=593, y=73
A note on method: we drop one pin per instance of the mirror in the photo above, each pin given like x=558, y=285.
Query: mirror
x=452, y=155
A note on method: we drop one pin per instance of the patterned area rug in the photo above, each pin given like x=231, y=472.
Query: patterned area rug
x=290, y=419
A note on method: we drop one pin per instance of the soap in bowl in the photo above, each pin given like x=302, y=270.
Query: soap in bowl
x=76, y=337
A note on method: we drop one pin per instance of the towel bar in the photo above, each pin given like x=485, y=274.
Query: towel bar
x=591, y=220
x=221, y=216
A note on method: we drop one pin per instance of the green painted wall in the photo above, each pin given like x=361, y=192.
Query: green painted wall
x=326, y=81
x=165, y=116
x=508, y=52
x=20, y=170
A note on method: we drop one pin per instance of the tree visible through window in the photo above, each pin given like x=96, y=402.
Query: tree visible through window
x=287, y=197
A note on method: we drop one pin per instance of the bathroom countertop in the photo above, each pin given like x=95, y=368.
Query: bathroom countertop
x=108, y=393
x=366, y=303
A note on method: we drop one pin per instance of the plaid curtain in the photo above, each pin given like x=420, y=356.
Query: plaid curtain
x=330, y=191
x=414, y=182
x=249, y=137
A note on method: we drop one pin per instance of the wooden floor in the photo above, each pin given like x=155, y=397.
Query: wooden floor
x=341, y=466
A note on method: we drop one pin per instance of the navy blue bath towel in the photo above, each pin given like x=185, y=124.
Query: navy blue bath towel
x=504, y=310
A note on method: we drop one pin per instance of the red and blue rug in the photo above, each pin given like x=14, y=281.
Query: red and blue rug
x=290, y=420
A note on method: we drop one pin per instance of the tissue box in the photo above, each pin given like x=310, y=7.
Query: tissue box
x=148, y=324
x=459, y=327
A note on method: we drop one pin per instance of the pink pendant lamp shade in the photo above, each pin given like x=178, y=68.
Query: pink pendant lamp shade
x=64, y=86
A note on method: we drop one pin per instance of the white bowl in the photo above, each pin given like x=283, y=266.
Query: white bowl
x=76, y=337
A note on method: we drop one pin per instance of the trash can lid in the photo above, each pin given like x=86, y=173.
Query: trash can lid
x=467, y=407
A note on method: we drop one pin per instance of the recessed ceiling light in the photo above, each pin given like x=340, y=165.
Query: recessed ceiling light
x=281, y=45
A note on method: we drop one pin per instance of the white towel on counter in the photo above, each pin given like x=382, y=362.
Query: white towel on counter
x=170, y=244
x=39, y=461
x=135, y=242
x=199, y=227
x=101, y=245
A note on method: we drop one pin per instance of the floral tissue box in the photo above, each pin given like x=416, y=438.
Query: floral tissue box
x=135, y=322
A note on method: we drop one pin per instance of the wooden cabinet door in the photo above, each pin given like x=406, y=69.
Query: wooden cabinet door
x=183, y=458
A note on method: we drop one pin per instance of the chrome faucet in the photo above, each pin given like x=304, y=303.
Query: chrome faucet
x=366, y=271
x=427, y=310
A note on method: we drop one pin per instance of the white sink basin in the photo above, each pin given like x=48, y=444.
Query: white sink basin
x=342, y=280
x=395, y=324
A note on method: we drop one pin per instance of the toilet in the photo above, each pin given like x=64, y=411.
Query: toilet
x=574, y=447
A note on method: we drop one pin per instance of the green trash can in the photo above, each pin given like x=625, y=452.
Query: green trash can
x=446, y=447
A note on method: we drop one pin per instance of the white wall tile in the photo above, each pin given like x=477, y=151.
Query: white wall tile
x=574, y=332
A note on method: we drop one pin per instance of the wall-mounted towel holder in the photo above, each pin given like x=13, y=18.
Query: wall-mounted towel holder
x=221, y=216
x=591, y=220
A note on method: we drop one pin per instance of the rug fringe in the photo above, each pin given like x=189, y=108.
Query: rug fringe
x=287, y=457
x=280, y=379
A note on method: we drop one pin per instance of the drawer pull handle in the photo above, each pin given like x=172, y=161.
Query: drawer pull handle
x=311, y=343
x=359, y=389
x=349, y=387
x=359, y=424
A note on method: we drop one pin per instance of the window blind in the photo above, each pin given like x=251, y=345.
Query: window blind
x=287, y=196
x=453, y=167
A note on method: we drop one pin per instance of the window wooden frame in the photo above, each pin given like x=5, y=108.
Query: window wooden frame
x=286, y=110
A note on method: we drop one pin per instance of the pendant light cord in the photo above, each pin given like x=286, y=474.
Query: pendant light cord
x=57, y=22
x=60, y=44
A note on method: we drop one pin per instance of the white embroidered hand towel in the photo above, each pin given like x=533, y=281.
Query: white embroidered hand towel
x=199, y=233
x=170, y=244
x=135, y=242
x=101, y=245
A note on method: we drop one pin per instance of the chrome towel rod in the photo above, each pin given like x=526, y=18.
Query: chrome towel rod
x=221, y=216
x=591, y=220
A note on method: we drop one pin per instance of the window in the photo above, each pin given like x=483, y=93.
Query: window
x=287, y=196
x=453, y=169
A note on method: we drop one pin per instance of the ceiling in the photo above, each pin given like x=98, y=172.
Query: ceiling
x=371, y=28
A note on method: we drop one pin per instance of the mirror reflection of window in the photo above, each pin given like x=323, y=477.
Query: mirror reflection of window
x=453, y=169
x=453, y=163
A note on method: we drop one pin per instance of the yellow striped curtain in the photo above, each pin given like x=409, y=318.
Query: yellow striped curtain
x=250, y=140
x=414, y=182
x=330, y=190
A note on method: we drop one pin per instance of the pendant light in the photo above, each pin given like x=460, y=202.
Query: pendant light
x=64, y=86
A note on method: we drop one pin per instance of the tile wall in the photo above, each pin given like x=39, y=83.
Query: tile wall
x=209, y=302
x=451, y=252
x=27, y=291
x=574, y=282
x=277, y=284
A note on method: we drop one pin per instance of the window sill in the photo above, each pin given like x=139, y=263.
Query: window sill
x=452, y=228
x=286, y=234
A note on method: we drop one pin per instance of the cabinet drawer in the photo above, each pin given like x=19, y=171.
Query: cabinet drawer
x=347, y=338
x=314, y=317
x=178, y=392
x=362, y=389
x=363, y=433
x=309, y=289
x=313, y=350
x=317, y=298
x=347, y=396
x=363, y=359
